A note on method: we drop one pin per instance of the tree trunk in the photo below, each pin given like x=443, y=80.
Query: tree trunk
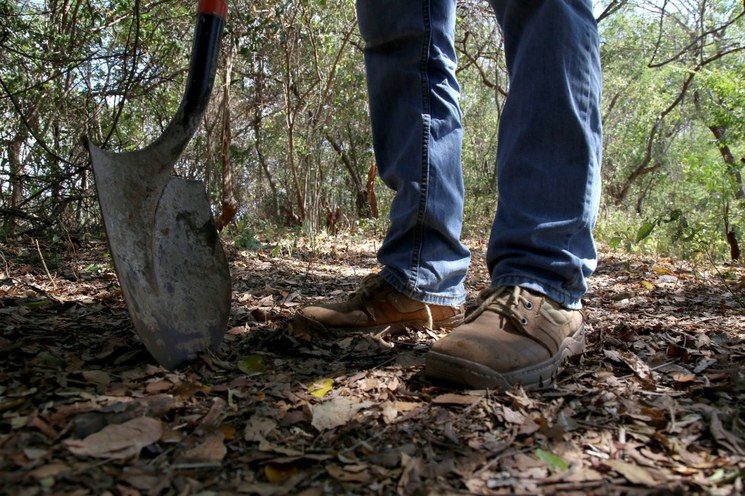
x=290, y=113
x=361, y=191
x=730, y=160
x=256, y=124
x=15, y=161
x=734, y=247
x=229, y=205
x=643, y=168
x=371, y=198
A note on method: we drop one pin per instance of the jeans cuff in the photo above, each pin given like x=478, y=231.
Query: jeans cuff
x=452, y=298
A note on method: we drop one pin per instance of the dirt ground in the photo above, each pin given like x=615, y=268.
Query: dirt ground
x=654, y=406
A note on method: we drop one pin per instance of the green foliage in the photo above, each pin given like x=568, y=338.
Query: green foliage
x=245, y=235
x=246, y=240
x=300, y=140
x=670, y=75
x=674, y=232
x=95, y=268
x=556, y=463
x=681, y=229
x=722, y=97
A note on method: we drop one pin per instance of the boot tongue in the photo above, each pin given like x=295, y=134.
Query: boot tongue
x=490, y=299
x=491, y=292
x=370, y=283
x=504, y=300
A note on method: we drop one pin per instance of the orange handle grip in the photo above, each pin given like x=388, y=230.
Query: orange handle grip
x=216, y=7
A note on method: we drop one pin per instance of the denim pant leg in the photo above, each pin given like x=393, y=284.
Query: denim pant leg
x=417, y=135
x=549, y=151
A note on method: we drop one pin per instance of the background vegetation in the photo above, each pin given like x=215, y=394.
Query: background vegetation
x=286, y=139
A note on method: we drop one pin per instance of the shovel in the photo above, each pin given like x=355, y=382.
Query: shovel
x=161, y=233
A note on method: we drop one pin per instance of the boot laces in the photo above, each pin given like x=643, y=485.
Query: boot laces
x=505, y=301
x=371, y=283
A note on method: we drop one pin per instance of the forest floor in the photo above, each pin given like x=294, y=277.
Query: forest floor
x=654, y=406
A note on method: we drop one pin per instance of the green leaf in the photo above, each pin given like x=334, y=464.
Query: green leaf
x=718, y=475
x=251, y=364
x=644, y=231
x=37, y=304
x=675, y=215
x=555, y=462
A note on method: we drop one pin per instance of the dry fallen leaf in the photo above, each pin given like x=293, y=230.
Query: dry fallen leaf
x=212, y=449
x=636, y=364
x=49, y=470
x=335, y=412
x=268, y=447
x=99, y=377
x=725, y=437
x=348, y=473
x=512, y=416
x=633, y=473
x=258, y=427
x=159, y=386
x=411, y=477
x=279, y=474
x=664, y=271
x=456, y=399
x=118, y=440
x=392, y=409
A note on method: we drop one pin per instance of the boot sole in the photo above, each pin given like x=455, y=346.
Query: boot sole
x=301, y=322
x=463, y=372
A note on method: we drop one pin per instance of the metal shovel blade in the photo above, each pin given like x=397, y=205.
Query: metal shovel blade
x=161, y=233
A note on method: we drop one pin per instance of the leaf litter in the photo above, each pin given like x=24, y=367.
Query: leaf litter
x=654, y=406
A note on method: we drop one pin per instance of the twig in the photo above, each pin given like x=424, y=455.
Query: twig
x=75, y=270
x=7, y=266
x=44, y=264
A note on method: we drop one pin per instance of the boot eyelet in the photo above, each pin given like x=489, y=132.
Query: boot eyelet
x=528, y=305
x=524, y=321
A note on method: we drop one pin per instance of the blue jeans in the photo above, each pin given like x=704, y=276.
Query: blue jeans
x=548, y=156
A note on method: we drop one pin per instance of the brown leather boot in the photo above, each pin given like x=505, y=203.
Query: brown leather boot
x=373, y=307
x=514, y=337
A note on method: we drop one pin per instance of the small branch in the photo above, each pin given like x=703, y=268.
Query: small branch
x=612, y=7
x=44, y=264
x=7, y=266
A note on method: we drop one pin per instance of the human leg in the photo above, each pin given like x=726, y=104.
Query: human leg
x=541, y=248
x=549, y=149
x=417, y=135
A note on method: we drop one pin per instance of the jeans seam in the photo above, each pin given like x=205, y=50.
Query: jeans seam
x=426, y=125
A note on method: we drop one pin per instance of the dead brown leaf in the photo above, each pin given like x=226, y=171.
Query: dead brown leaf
x=633, y=473
x=211, y=450
x=119, y=440
x=335, y=412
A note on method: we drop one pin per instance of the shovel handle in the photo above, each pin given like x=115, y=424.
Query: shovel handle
x=207, y=34
x=216, y=7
